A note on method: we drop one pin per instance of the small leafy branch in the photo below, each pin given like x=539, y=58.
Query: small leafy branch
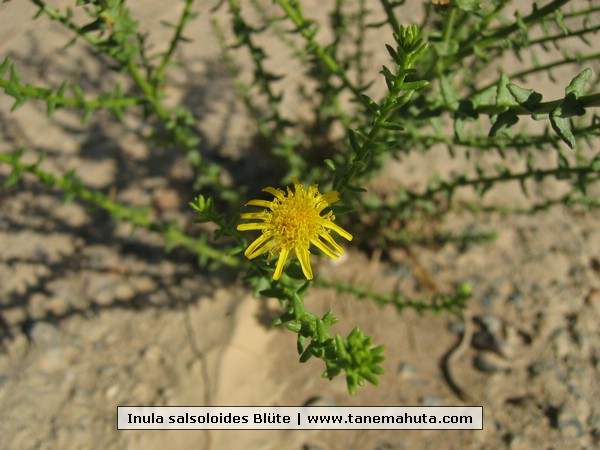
x=73, y=188
x=436, y=94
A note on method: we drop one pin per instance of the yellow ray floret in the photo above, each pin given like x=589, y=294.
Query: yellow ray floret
x=290, y=223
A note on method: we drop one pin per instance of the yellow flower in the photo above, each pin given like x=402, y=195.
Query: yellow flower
x=293, y=221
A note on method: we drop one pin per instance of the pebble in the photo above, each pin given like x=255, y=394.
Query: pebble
x=491, y=362
x=520, y=443
x=489, y=335
x=112, y=391
x=58, y=306
x=320, y=401
x=457, y=327
x=497, y=336
x=312, y=447
x=165, y=198
x=568, y=424
x=144, y=394
x=45, y=334
x=154, y=355
x=561, y=343
x=37, y=306
x=124, y=291
x=14, y=316
x=430, y=400
x=406, y=370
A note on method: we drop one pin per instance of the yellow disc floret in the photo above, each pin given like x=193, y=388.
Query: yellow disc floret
x=291, y=222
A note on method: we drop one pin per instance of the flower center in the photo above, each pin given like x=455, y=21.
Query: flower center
x=295, y=221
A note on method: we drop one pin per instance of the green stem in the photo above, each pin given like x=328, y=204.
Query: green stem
x=49, y=95
x=585, y=101
x=390, y=103
x=54, y=14
x=121, y=212
x=537, y=174
x=449, y=25
x=166, y=59
x=296, y=17
x=148, y=90
x=582, y=12
x=535, y=16
x=389, y=11
x=543, y=68
x=560, y=36
x=486, y=143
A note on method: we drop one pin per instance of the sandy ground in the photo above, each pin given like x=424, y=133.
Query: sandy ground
x=93, y=316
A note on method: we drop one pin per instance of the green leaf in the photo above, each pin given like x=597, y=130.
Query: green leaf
x=450, y=96
x=563, y=162
x=414, y=85
x=394, y=54
x=4, y=66
x=340, y=210
x=562, y=127
x=329, y=163
x=13, y=177
x=390, y=78
x=273, y=293
x=353, y=141
x=391, y=126
x=503, y=122
x=503, y=96
x=527, y=98
x=577, y=84
x=295, y=271
x=354, y=188
x=469, y=5
x=485, y=97
x=374, y=107
x=294, y=326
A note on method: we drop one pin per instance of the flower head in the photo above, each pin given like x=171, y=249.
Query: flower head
x=290, y=223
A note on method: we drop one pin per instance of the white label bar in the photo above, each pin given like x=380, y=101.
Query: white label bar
x=300, y=418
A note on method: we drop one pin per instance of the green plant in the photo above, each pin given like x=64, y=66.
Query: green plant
x=433, y=94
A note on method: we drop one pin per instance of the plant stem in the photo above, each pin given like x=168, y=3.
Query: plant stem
x=121, y=212
x=543, y=68
x=389, y=11
x=54, y=14
x=491, y=180
x=49, y=95
x=535, y=16
x=296, y=17
x=186, y=15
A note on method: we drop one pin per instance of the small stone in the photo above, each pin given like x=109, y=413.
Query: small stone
x=457, y=327
x=124, y=291
x=154, y=355
x=320, y=401
x=144, y=394
x=430, y=400
x=571, y=428
x=520, y=443
x=491, y=363
x=45, y=334
x=562, y=343
x=112, y=391
x=489, y=335
x=14, y=316
x=58, y=306
x=104, y=298
x=312, y=447
x=37, y=306
x=166, y=198
x=592, y=300
x=406, y=370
